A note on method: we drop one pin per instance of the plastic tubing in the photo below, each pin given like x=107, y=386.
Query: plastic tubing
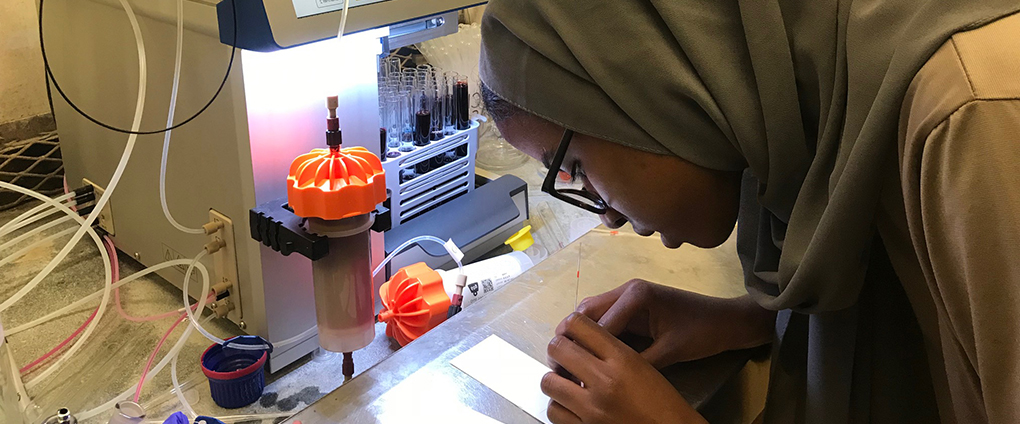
x=105, y=198
x=108, y=287
x=33, y=232
x=115, y=268
x=191, y=316
x=460, y=267
x=77, y=304
x=148, y=364
x=10, y=258
x=179, y=391
x=155, y=370
x=33, y=215
x=170, y=123
x=60, y=345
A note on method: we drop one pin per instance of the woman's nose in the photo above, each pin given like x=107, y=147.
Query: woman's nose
x=613, y=219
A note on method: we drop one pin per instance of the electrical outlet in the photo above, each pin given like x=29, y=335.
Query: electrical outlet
x=225, y=260
x=105, y=219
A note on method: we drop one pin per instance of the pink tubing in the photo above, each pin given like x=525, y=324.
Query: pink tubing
x=39, y=360
x=116, y=277
x=148, y=364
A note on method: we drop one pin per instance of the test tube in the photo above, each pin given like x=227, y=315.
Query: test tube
x=423, y=116
x=461, y=98
x=449, y=123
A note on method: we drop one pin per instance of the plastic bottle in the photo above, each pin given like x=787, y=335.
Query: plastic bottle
x=486, y=276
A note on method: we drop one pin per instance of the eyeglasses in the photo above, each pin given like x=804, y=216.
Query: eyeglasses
x=582, y=198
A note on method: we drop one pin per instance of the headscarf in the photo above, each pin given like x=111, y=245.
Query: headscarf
x=804, y=94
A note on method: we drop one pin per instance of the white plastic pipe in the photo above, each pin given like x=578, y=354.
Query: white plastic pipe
x=108, y=286
x=33, y=232
x=81, y=302
x=170, y=123
x=33, y=215
x=411, y=242
x=152, y=373
x=117, y=174
x=21, y=252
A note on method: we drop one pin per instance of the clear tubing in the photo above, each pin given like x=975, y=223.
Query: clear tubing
x=170, y=123
x=59, y=346
x=105, y=198
x=298, y=338
x=18, y=224
x=10, y=258
x=106, y=289
x=18, y=221
x=148, y=364
x=115, y=268
x=13, y=242
x=155, y=370
x=179, y=391
x=460, y=267
x=205, y=289
x=77, y=304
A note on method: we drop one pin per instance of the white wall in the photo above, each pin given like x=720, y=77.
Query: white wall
x=22, y=85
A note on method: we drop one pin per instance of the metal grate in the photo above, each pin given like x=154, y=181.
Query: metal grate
x=34, y=164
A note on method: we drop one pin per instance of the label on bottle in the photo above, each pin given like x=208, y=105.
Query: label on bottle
x=495, y=274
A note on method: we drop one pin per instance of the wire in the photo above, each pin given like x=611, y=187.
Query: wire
x=135, y=131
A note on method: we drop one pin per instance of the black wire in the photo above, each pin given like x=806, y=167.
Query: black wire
x=53, y=79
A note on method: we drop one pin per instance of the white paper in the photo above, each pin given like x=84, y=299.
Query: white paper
x=426, y=396
x=508, y=372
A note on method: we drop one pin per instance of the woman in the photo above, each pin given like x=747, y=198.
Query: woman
x=871, y=151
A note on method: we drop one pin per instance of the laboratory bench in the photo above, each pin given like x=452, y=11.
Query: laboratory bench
x=581, y=261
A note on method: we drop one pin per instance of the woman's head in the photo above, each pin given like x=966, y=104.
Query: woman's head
x=683, y=202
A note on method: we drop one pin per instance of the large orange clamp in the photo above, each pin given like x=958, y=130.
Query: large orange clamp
x=414, y=302
x=336, y=183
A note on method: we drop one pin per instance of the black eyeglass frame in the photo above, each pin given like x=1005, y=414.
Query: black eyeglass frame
x=549, y=185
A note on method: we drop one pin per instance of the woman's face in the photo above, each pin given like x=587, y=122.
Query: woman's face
x=683, y=202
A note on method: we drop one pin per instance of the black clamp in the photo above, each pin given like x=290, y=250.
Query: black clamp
x=275, y=225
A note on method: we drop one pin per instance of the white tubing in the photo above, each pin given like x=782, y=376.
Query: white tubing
x=31, y=216
x=413, y=241
x=298, y=338
x=205, y=290
x=170, y=123
x=117, y=174
x=33, y=232
x=79, y=303
x=108, y=286
x=152, y=373
x=179, y=391
x=14, y=256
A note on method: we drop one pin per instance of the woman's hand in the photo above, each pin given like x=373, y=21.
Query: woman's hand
x=611, y=383
x=684, y=326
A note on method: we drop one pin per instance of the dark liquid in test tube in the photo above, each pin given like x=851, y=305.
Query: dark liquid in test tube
x=460, y=98
x=422, y=128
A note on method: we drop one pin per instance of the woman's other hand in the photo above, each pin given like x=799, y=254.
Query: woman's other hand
x=683, y=326
x=610, y=382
